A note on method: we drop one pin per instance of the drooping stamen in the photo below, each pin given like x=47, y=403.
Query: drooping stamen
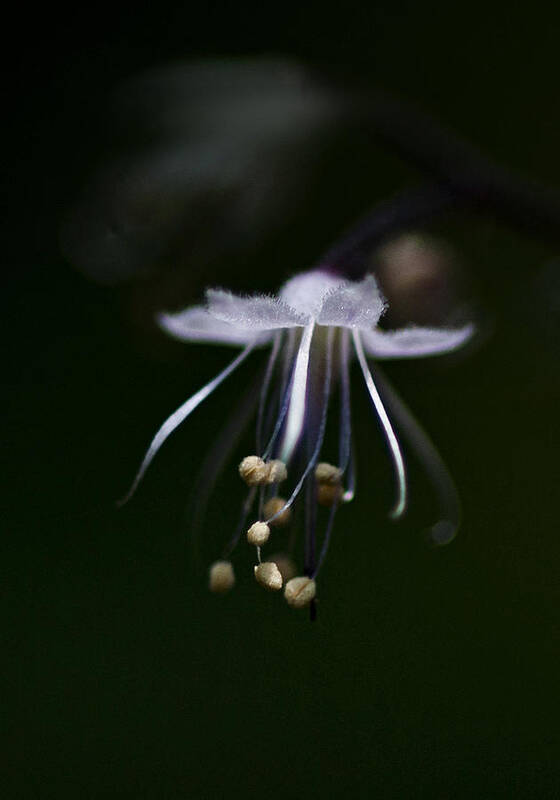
x=265, y=389
x=180, y=415
x=446, y=528
x=285, y=395
x=221, y=577
x=346, y=454
x=320, y=435
x=258, y=534
x=218, y=455
x=392, y=440
x=288, y=358
x=326, y=540
x=300, y=592
x=285, y=403
x=242, y=522
x=345, y=438
x=269, y=576
x=310, y=527
x=350, y=482
x=275, y=509
x=296, y=410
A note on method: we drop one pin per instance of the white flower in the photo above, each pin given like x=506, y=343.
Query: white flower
x=314, y=325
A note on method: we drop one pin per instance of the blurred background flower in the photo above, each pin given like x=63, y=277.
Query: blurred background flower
x=223, y=156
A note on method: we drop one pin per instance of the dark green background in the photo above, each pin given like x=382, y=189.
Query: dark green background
x=429, y=673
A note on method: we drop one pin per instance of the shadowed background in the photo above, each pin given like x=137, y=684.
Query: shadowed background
x=430, y=673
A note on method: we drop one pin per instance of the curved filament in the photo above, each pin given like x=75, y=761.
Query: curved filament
x=180, y=415
x=284, y=395
x=296, y=409
x=321, y=428
x=345, y=438
x=241, y=524
x=390, y=436
x=326, y=539
x=213, y=464
x=265, y=389
x=310, y=528
x=446, y=528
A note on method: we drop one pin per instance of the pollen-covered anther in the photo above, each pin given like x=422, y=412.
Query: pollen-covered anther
x=300, y=591
x=272, y=507
x=276, y=471
x=221, y=577
x=269, y=576
x=328, y=474
x=329, y=494
x=254, y=471
x=258, y=534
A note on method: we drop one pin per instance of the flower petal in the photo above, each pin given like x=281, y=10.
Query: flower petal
x=414, y=342
x=353, y=305
x=306, y=292
x=256, y=313
x=197, y=325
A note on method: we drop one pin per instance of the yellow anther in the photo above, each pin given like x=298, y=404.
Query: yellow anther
x=277, y=471
x=272, y=506
x=253, y=471
x=299, y=592
x=258, y=534
x=221, y=577
x=328, y=473
x=268, y=575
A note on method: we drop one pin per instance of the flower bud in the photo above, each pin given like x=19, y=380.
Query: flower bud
x=221, y=577
x=253, y=471
x=268, y=575
x=299, y=592
x=421, y=278
x=272, y=506
x=258, y=534
x=277, y=471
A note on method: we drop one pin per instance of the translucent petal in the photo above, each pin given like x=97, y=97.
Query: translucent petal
x=353, y=305
x=256, y=313
x=197, y=325
x=414, y=342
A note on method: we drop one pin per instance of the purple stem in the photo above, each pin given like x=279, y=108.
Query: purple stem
x=474, y=179
x=401, y=212
x=461, y=179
